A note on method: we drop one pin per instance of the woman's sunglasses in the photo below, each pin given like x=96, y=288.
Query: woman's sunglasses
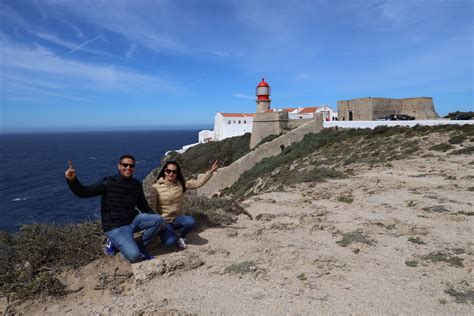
x=171, y=171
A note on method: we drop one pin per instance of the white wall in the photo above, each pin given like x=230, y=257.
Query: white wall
x=205, y=136
x=235, y=128
x=373, y=124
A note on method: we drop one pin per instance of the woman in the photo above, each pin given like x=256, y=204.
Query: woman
x=167, y=196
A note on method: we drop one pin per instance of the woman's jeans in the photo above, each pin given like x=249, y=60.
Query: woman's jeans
x=122, y=237
x=183, y=224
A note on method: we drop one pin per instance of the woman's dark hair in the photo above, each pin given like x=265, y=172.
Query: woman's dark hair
x=179, y=176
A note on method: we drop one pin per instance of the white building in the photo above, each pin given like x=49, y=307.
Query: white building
x=301, y=113
x=235, y=124
x=228, y=125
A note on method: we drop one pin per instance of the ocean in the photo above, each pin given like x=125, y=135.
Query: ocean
x=33, y=188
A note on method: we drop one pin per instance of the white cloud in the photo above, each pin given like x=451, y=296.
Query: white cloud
x=39, y=68
x=66, y=44
x=243, y=96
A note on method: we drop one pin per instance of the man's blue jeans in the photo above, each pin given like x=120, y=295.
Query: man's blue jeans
x=183, y=224
x=122, y=237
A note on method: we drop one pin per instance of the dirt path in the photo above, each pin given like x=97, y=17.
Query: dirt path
x=397, y=239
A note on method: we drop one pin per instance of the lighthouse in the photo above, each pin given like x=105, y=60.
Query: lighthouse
x=266, y=122
x=263, y=96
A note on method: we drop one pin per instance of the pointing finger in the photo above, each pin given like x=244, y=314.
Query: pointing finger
x=70, y=164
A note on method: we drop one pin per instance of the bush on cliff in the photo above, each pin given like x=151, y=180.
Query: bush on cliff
x=30, y=259
x=197, y=159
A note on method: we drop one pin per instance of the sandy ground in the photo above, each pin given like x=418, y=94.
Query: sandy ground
x=291, y=257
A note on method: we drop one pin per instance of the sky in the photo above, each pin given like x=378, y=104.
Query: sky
x=105, y=65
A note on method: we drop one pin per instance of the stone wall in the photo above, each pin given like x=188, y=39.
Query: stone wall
x=367, y=109
x=297, y=123
x=226, y=176
x=265, y=124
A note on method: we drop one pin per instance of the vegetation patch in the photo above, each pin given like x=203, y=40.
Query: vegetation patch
x=461, y=297
x=267, y=139
x=411, y=203
x=241, y=268
x=355, y=236
x=460, y=115
x=302, y=277
x=416, y=240
x=469, y=150
x=411, y=263
x=345, y=199
x=465, y=213
x=442, y=147
x=457, y=139
x=212, y=212
x=197, y=159
x=31, y=258
x=449, y=258
x=326, y=154
x=435, y=209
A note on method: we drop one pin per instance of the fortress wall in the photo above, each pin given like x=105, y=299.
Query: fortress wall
x=227, y=176
x=367, y=109
x=297, y=123
x=422, y=108
x=361, y=109
x=383, y=107
x=265, y=124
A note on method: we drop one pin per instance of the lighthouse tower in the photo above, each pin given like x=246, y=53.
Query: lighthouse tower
x=266, y=122
x=263, y=96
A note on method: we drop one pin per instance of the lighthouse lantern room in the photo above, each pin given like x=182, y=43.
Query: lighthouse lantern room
x=263, y=96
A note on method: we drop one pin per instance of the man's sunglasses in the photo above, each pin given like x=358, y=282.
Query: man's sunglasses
x=125, y=165
x=171, y=171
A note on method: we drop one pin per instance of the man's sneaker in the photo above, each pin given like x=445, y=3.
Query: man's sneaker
x=182, y=243
x=145, y=255
x=110, y=249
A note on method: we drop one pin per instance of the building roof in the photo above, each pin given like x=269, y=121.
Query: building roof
x=237, y=114
x=311, y=109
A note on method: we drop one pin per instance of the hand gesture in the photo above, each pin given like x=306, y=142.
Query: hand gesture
x=70, y=172
x=214, y=166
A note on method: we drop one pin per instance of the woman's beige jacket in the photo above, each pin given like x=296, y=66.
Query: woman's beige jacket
x=166, y=198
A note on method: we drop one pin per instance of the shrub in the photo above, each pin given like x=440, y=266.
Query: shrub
x=211, y=212
x=442, y=147
x=31, y=258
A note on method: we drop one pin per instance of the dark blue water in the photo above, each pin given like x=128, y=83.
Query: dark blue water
x=32, y=184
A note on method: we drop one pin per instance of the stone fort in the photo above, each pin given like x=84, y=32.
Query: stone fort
x=369, y=109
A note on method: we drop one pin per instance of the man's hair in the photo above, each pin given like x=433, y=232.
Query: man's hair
x=126, y=156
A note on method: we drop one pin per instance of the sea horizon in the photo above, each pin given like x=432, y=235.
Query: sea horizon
x=111, y=129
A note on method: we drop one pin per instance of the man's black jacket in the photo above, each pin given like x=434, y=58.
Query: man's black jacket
x=119, y=197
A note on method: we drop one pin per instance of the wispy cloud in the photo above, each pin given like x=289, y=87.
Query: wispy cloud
x=73, y=47
x=25, y=65
x=243, y=96
x=80, y=46
x=129, y=54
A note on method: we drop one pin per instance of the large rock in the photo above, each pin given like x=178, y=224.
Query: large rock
x=146, y=270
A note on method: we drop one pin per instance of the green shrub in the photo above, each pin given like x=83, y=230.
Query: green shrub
x=31, y=258
x=199, y=158
x=442, y=147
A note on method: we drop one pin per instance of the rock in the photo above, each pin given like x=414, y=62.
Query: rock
x=146, y=270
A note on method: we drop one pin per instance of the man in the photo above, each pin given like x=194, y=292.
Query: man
x=120, y=194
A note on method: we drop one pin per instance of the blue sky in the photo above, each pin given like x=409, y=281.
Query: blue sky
x=92, y=65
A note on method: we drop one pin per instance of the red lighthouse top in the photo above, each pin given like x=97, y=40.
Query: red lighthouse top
x=263, y=90
x=263, y=83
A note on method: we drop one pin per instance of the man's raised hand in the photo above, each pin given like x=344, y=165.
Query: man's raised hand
x=70, y=172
